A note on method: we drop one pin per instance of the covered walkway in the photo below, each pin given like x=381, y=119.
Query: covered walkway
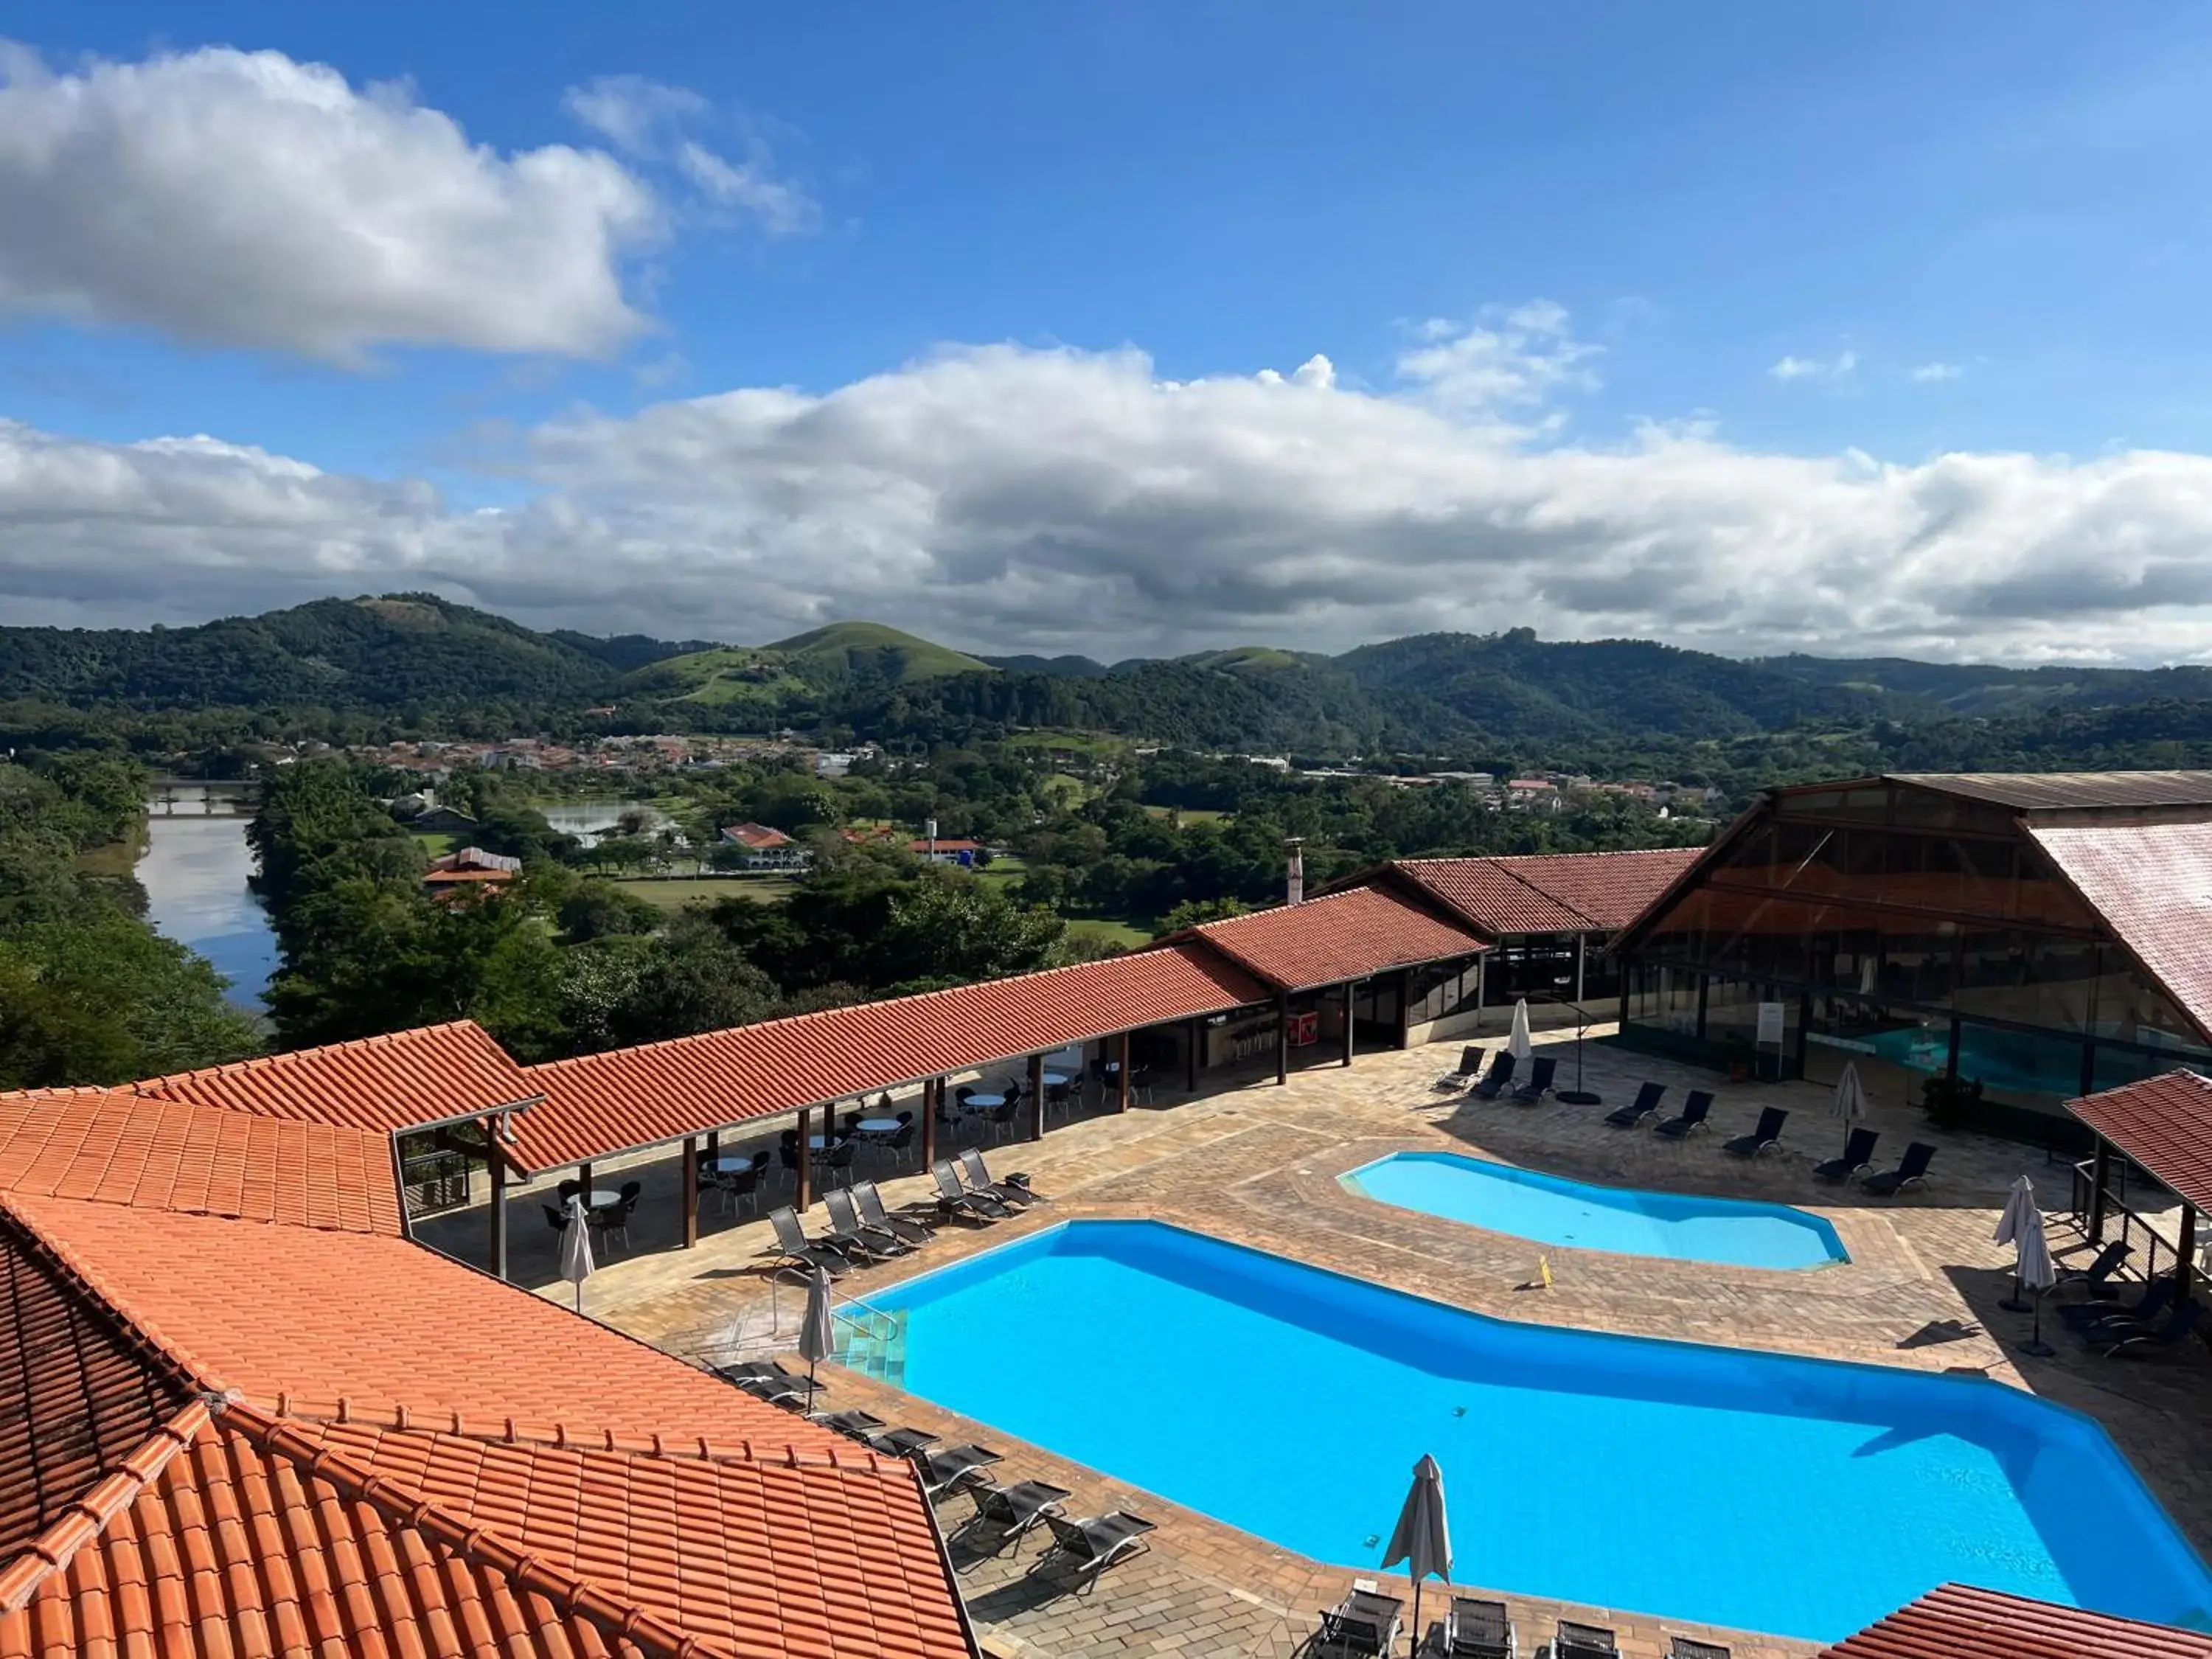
x=2163, y=1125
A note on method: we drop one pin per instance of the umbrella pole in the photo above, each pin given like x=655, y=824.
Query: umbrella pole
x=1416, y=1649
x=2016, y=1302
x=2035, y=1345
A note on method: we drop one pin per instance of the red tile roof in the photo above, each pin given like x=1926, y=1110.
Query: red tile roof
x=1343, y=936
x=1957, y=1622
x=759, y=836
x=2048, y=792
x=433, y=1074
x=608, y=1103
x=2165, y=1124
x=1492, y=897
x=1550, y=893
x=2152, y=882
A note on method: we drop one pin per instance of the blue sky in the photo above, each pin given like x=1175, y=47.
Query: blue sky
x=1835, y=239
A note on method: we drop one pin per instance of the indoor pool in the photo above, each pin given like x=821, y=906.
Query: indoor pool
x=1551, y=1210
x=1796, y=1496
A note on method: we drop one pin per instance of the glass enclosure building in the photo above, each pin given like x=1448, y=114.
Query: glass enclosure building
x=2047, y=935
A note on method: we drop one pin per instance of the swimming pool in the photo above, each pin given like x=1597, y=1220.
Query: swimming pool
x=1553, y=1210
x=1797, y=1497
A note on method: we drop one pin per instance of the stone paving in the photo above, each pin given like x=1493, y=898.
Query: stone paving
x=1259, y=1165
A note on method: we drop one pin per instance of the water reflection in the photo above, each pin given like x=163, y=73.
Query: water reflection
x=588, y=820
x=194, y=871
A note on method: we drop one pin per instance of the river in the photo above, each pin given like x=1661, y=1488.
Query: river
x=194, y=871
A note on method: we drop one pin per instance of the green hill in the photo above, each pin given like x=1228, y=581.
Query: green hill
x=871, y=651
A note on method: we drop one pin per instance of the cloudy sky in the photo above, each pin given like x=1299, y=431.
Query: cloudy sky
x=1120, y=329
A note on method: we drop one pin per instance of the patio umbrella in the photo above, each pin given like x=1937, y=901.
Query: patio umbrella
x=2037, y=1272
x=1849, y=1103
x=816, y=1342
x=2019, y=1212
x=576, y=1250
x=1422, y=1540
x=1517, y=1045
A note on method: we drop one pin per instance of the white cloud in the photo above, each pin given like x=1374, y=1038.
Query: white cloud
x=1927, y=373
x=637, y=116
x=1510, y=360
x=654, y=122
x=779, y=207
x=1058, y=499
x=1816, y=369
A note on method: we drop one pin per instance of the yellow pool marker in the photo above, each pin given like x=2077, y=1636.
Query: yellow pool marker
x=1544, y=1270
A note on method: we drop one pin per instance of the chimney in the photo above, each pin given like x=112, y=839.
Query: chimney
x=1297, y=846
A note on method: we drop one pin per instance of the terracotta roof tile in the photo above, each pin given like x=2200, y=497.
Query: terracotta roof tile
x=1492, y=897
x=2032, y=791
x=433, y=1074
x=1551, y=893
x=608, y=1103
x=167, y=1155
x=2153, y=885
x=1957, y=1622
x=1343, y=936
x=2165, y=1124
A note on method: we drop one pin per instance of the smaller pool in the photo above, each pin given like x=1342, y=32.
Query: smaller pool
x=1551, y=1210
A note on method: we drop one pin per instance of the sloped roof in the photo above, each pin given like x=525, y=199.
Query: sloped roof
x=2034, y=792
x=1492, y=897
x=432, y=1074
x=2165, y=1124
x=1342, y=936
x=756, y=835
x=2152, y=882
x=1550, y=893
x=1955, y=1621
x=597, y=1104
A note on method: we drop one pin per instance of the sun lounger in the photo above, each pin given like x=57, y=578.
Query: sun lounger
x=873, y=1212
x=1910, y=1170
x=2132, y=1339
x=2088, y=1315
x=877, y=1242
x=1470, y=1067
x=947, y=1469
x=954, y=1200
x=1574, y=1641
x=1684, y=1647
x=1541, y=1070
x=1479, y=1629
x=2097, y=1278
x=1014, y=1189
x=900, y=1443
x=1090, y=1547
x=792, y=1244
x=1501, y=1074
x=1006, y=1515
x=1694, y=1110
x=1362, y=1625
x=1767, y=1135
x=1646, y=1103
x=765, y=1379
x=1857, y=1156
x=854, y=1425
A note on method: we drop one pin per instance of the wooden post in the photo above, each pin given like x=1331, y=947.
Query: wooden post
x=2100, y=1171
x=933, y=1101
x=1037, y=1096
x=1348, y=989
x=1121, y=1073
x=1283, y=1038
x=584, y=1180
x=495, y=1170
x=714, y=1144
x=690, y=1192
x=1404, y=1008
x=1197, y=1034
x=803, y=1199
x=2184, y=1260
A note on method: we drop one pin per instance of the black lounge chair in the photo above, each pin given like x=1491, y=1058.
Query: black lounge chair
x=1090, y=1547
x=1014, y=1189
x=792, y=1244
x=1501, y=1074
x=1684, y=1647
x=2131, y=1339
x=873, y=1212
x=1362, y=1625
x=2089, y=1317
x=950, y=1469
x=1006, y=1515
x=1910, y=1170
x=1768, y=1135
x=1646, y=1103
x=900, y=1443
x=1694, y=1111
x=955, y=1200
x=1541, y=1070
x=2097, y=1278
x=1470, y=1067
x=1858, y=1155
x=854, y=1425
x=778, y=1386
x=1574, y=1641
x=1479, y=1629
x=878, y=1242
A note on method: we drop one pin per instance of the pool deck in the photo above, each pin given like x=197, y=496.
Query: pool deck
x=1259, y=1165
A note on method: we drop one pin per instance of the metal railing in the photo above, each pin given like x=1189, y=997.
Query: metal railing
x=2144, y=1241
x=841, y=1307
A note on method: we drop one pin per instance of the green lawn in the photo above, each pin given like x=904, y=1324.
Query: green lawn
x=675, y=892
x=1189, y=814
x=436, y=843
x=1114, y=932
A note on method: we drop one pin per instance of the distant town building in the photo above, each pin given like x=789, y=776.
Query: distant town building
x=467, y=867
x=766, y=847
x=947, y=850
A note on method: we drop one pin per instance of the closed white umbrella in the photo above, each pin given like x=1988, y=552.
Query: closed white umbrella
x=2038, y=1273
x=1423, y=1540
x=816, y=1340
x=1849, y=1103
x=1518, y=1045
x=576, y=1250
x=2019, y=1214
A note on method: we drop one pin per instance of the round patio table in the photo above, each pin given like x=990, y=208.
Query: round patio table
x=879, y=1126
x=1053, y=1079
x=817, y=1142
x=985, y=1102
x=732, y=1165
x=599, y=1199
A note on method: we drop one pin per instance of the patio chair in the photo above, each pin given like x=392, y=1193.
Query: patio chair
x=878, y=1242
x=1501, y=1074
x=787, y=1153
x=954, y=1200
x=2089, y=1316
x=1479, y=1629
x=1365, y=1625
x=1695, y=1108
x=853, y=1424
x=1912, y=1169
x=1002, y=1117
x=1646, y=1103
x=557, y=1220
x=901, y=1443
x=2131, y=1339
x=1014, y=1189
x=1857, y=1156
x=1140, y=1085
x=899, y=1226
x=1573, y=1641
x=948, y=1469
x=2097, y=1278
x=1470, y=1067
x=1766, y=1137
x=566, y=1190
x=1541, y=1070
x=1090, y=1547
x=1006, y=1515
x=1684, y=1647
x=792, y=1244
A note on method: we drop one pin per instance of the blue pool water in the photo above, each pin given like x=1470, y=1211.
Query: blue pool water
x=1551, y=1210
x=1796, y=1496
